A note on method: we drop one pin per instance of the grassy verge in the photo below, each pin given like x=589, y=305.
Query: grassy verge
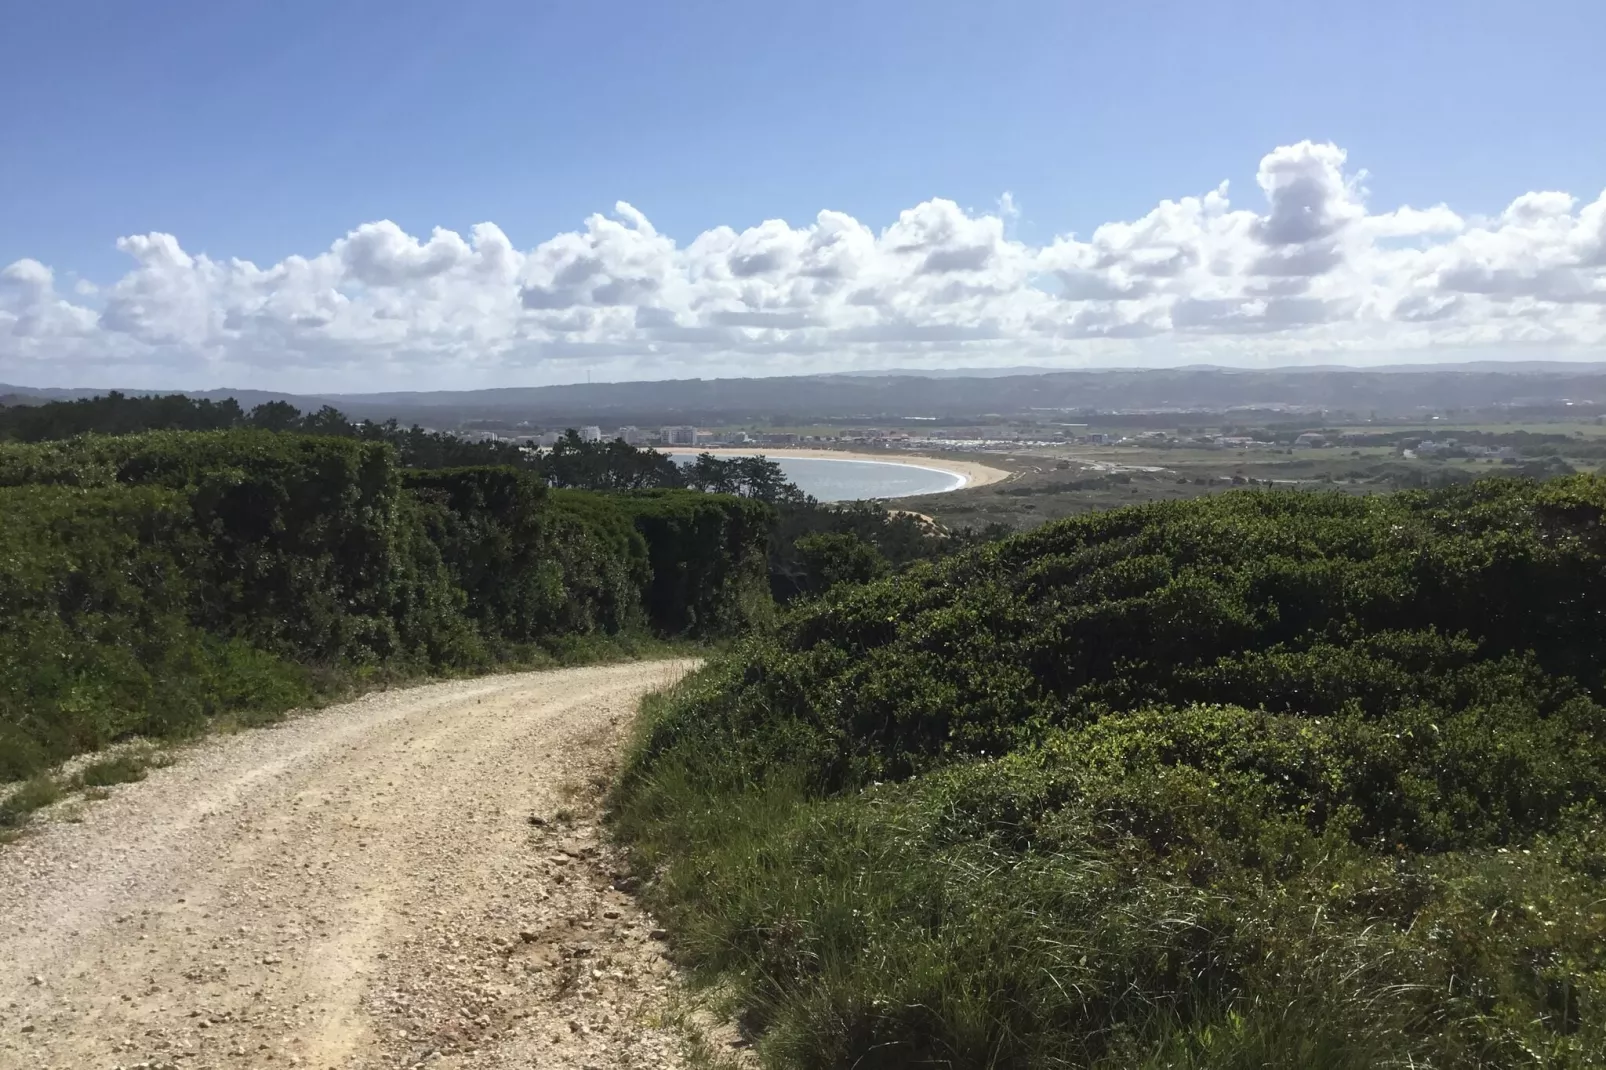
x=962, y=921
x=17, y=807
x=321, y=688
x=89, y=780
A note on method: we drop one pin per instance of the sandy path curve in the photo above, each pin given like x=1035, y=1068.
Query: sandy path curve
x=362, y=887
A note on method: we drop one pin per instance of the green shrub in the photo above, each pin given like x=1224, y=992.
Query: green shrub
x=537, y=564
x=698, y=558
x=1264, y=779
x=123, y=769
x=304, y=533
x=708, y=560
x=95, y=640
x=830, y=558
x=978, y=653
x=487, y=524
x=602, y=560
x=23, y=800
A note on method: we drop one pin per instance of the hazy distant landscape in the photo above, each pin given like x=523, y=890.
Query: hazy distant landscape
x=1071, y=441
x=960, y=399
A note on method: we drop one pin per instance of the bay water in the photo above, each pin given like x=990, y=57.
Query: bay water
x=832, y=479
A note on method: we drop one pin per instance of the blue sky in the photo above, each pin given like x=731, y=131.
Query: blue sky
x=262, y=130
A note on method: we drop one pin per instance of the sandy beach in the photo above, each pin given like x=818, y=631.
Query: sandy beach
x=975, y=473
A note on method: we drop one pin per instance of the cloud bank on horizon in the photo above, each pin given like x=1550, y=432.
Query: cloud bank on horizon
x=1312, y=273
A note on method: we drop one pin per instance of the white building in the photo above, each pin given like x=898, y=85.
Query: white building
x=632, y=436
x=549, y=438
x=591, y=434
x=678, y=436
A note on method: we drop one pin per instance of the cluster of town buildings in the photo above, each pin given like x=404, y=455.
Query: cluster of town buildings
x=664, y=436
x=1444, y=447
x=967, y=438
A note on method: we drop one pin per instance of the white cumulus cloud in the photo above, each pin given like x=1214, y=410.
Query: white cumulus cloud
x=1308, y=268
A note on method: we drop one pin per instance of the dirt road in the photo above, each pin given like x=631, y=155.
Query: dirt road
x=362, y=887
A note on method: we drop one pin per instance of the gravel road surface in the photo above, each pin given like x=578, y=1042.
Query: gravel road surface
x=415, y=878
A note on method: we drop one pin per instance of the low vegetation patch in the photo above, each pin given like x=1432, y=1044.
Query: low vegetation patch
x=1265, y=779
x=33, y=794
x=121, y=769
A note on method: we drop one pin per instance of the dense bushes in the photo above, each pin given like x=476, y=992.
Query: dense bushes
x=307, y=550
x=151, y=580
x=96, y=634
x=827, y=558
x=1265, y=779
x=707, y=557
x=814, y=544
x=524, y=572
x=570, y=464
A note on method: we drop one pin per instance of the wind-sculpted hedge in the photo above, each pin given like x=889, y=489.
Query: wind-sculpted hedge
x=97, y=639
x=709, y=559
x=308, y=551
x=700, y=556
x=153, y=580
x=528, y=570
x=1265, y=779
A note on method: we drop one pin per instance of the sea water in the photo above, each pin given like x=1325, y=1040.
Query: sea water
x=832, y=479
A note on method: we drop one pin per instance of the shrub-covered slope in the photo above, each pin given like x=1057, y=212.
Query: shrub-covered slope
x=1258, y=780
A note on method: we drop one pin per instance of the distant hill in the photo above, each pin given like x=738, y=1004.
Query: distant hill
x=1391, y=391
x=951, y=373
x=38, y=395
x=1508, y=366
x=871, y=398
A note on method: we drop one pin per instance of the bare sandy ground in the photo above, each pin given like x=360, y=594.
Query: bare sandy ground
x=362, y=887
x=976, y=474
